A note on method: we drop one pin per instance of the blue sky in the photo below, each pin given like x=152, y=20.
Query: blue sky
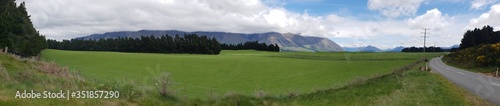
x=459, y=10
x=358, y=8
x=350, y=23
x=326, y=7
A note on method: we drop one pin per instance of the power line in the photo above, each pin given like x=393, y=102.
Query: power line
x=425, y=35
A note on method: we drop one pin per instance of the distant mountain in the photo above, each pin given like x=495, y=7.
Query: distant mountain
x=453, y=46
x=368, y=48
x=286, y=41
x=395, y=49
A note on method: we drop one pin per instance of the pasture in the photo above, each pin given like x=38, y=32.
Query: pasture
x=242, y=72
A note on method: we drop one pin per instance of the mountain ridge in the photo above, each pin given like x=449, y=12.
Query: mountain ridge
x=286, y=41
x=368, y=48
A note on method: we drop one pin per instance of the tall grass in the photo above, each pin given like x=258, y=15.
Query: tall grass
x=3, y=73
x=30, y=74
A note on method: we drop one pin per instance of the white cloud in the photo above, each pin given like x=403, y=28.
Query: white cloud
x=395, y=8
x=63, y=19
x=444, y=30
x=432, y=19
x=387, y=33
x=278, y=17
x=488, y=18
x=480, y=4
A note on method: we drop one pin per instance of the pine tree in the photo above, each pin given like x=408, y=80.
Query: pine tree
x=17, y=31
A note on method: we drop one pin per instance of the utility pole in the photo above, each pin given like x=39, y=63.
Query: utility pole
x=434, y=48
x=425, y=36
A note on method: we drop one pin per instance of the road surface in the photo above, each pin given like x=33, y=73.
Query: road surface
x=484, y=86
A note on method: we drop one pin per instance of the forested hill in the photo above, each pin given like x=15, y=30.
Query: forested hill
x=17, y=32
x=286, y=41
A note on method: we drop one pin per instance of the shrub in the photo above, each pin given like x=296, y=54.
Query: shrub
x=260, y=94
x=164, y=85
x=212, y=95
x=485, y=55
x=129, y=91
x=26, y=75
x=53, y=68
x=497, y=62
x=4, y=74
x=481, y=60
x=292, y=94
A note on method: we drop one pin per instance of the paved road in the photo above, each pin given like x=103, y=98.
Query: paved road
x=484, y=86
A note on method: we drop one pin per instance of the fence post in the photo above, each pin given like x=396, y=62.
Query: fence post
x=426, y=64
x=497, y=72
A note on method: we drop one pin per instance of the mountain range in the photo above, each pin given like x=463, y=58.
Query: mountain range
x=286, y=41
x=368, y=48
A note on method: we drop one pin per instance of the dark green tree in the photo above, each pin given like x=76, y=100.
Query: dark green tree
x=17, y=31
x=191, y=43
x=476, y=37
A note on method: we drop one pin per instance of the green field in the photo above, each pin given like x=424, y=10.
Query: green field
x=242, y=72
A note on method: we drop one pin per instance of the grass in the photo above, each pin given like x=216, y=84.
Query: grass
x=25, y=74
x=394, y=88
x=411, y=87
x=242, y=72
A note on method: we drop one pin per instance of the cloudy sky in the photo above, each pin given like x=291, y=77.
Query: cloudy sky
x=350, y=23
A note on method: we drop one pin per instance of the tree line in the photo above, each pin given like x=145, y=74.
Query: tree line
x=251, y=45
x=17, y=32
x=427, y=49
x=190, y=43
x=476, y=37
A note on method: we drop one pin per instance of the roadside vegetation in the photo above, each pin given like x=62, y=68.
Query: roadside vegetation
x=479, y=51
x=484, y=58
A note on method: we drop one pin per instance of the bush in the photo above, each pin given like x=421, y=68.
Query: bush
x=481, y=60
x=26, y=76
x=53, y=68
x=129, y=91
x=4, y=74
x=487, y=55
x=260, y=94
x=163, y=85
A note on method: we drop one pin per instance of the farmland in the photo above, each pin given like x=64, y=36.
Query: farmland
x=384, y=86
x=242, y=72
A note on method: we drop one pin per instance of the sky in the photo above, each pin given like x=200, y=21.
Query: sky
x=350, y=23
